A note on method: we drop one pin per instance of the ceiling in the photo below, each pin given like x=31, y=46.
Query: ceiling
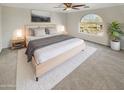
x=51, y=6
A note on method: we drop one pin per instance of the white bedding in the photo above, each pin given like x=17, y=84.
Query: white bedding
x=48, y=52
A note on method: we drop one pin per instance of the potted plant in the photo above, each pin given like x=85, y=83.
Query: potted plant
x=114, y=33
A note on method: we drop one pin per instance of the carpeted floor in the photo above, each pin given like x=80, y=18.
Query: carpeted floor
x=8, y=62
x=103, y=70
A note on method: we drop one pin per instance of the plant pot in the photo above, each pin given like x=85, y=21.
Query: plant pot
x=115, y=45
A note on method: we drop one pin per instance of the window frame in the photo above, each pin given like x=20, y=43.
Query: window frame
x=98, y=34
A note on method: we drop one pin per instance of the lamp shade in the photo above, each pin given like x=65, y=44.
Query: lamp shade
x=61, y=28
x=19, y=33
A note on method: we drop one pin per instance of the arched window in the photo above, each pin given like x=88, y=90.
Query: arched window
x=92, y=24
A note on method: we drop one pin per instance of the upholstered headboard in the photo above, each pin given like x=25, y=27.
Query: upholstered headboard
x=40, y=25
x=33, y=26
x=37, y=25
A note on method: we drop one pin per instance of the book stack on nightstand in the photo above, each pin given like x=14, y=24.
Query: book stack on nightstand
x=18, y=43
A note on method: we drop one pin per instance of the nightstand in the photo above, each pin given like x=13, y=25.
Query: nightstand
x=18, y=43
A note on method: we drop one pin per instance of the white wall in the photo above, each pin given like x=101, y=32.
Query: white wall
x=12, y=19
x=16, y=18
x=0, y=31
x=108, y=15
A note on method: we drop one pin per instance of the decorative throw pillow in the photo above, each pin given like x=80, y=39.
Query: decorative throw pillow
x=39, y=31
x=52, y=30
x=31, y=32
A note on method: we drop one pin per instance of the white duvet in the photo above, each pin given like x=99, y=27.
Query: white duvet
x=48, y=52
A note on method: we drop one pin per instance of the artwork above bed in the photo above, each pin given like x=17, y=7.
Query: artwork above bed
x=40, y=16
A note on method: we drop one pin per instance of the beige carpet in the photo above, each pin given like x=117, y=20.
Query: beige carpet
x=8, y=68
x=104, y=70
x=25, y=72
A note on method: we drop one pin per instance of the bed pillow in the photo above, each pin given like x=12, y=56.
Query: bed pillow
x=31, y=32
x=39, y=31
x=52, y=31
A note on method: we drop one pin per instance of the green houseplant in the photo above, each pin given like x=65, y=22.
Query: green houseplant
x=115, y=32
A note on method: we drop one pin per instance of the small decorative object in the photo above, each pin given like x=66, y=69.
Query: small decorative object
x=40, y=16
x=115, y=32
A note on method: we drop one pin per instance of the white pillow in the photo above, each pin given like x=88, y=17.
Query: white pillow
x=52, y=30
x=39, y=32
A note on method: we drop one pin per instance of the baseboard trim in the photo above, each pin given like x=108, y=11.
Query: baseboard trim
x=101, y=44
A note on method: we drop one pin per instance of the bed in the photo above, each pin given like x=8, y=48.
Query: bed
x=60, y=48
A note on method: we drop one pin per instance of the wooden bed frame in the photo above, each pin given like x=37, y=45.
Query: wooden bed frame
x=43, y=68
